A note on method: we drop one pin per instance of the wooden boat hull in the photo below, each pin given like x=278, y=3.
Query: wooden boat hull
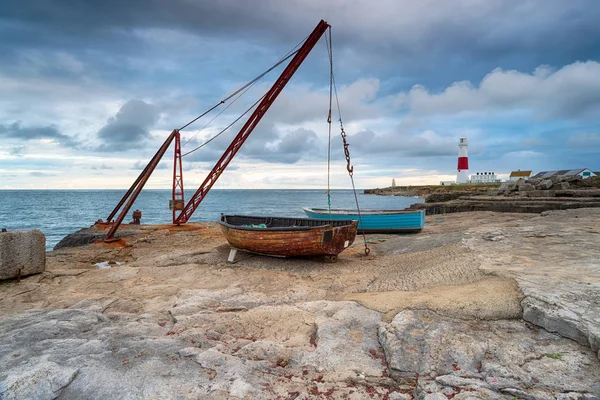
x=375, y=221
x=288, y=237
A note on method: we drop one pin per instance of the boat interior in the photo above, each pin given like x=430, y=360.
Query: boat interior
x=251, y=222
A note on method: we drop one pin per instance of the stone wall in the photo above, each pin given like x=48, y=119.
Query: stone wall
x=22, y=253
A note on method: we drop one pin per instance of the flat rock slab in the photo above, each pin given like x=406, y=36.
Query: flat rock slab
x=22, y=253
x=491, y=358
x=555, y=259
x=310, y=350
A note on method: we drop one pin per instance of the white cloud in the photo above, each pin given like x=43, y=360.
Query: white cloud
x=571, y=91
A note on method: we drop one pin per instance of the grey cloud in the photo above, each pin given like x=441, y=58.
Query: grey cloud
x=585, y=140
x=288, y=147
x=433, y=40
x=293, y=146
x=129, y=128
x=17, y=151
x=268, y=144
x=40, y=174
x=425, y=144
x=140, y=165
x=16, y=131
x=101, y=167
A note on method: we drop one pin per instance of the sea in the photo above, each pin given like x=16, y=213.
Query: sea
x=60, y=212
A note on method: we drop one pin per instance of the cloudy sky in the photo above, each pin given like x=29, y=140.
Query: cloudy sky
x=89, y=90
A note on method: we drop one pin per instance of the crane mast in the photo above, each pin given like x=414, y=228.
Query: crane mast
x=249, y=126
x=177, y=192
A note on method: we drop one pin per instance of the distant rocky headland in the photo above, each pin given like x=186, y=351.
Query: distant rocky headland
x=531, y=196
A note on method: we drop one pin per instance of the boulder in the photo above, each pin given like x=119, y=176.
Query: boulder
x=507, y=187
x=545, y=184
x=22, y=253
x=88, y=235
x=526, y=187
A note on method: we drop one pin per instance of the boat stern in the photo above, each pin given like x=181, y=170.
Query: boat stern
x=337, y=239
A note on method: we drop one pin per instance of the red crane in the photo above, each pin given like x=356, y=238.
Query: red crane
x=227, y=156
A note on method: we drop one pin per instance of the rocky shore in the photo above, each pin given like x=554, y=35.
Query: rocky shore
x=480, y=305
x=532, y=196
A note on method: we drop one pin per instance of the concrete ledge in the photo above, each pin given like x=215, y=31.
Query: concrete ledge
x=23, y=251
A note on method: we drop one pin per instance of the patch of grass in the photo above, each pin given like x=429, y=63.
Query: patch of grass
x=556, y=356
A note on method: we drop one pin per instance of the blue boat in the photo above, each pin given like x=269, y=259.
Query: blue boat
x=375, y=221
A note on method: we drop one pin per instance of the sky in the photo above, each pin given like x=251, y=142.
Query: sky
x=90, y=90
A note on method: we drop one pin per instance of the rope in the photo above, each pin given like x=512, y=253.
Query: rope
x=330, y=53
x=215, y=117
x=224, y=129
x=349, y=167
x=243, y=90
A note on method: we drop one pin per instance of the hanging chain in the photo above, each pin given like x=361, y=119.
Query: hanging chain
x=349, y=167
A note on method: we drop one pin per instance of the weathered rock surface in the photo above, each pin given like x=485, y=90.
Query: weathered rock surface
x=555, y=259
x=432, y=189
x=22, y=253
x=486, y=359
x=526, y=204
x=311, y=349
x=531, y=196
x=177, y=321
x=90, y=235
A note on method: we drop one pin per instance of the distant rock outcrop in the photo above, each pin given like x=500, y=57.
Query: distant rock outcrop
x=532, y=196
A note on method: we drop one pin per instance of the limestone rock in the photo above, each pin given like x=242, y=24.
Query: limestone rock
x=545, y=184
x=37, y=380
x=82, y=354
x=88, y=235
x=22, y=253
x=265, y=350
x=561, y=285
x=485, y=356
x=345, y=339
x=526, y=187
x=565, y=312
x=507, y=187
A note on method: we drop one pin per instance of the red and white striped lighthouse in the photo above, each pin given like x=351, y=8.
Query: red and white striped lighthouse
x=462, y=175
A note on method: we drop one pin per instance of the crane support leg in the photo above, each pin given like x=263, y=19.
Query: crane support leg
x=178, y=199
x=138, y=185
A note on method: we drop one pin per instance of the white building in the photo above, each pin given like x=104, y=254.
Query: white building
x=484, y=177
x=516, y=175
x=582, y=172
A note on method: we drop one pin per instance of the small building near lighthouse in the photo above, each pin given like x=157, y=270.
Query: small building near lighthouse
x=462, y=174
x=485, y=177
x=516, y=175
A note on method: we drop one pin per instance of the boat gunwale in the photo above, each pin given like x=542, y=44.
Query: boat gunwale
x=324, y=224
x=341, y=211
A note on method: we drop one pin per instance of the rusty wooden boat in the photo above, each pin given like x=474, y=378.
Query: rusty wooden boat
x=288, y=237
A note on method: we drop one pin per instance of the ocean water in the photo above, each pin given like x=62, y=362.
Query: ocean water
x=60, y=212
